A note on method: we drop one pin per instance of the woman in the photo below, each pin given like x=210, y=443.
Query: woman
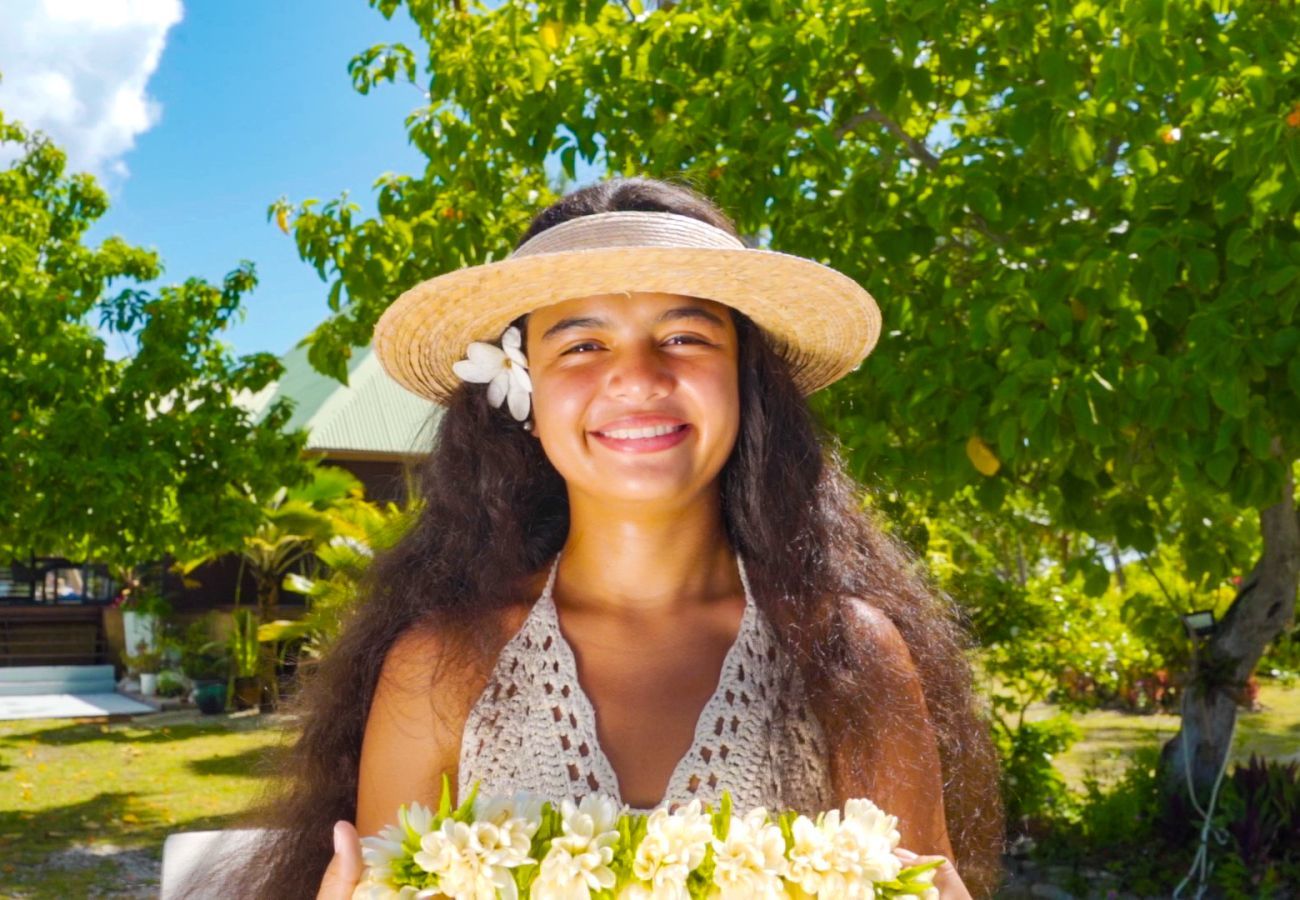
x=633, y=521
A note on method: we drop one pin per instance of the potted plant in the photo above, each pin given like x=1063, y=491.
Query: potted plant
x=245, y=655
x=143, y=609
x=207, y=665
x=145, y=663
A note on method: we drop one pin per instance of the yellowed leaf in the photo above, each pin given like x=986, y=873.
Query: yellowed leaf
x=981, y=457
x=551, y=33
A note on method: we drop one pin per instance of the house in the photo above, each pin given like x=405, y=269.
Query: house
x=58, y=612
x=372, y=426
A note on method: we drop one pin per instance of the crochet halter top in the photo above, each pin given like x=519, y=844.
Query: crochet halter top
x=534, y=729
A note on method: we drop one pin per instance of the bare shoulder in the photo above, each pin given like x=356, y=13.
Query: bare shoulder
x=413, y=731
x=876, y=631
x=912, y=782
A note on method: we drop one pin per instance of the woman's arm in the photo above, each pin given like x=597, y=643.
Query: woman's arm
x=412, y=736
x=911, y=786
x=412, y=733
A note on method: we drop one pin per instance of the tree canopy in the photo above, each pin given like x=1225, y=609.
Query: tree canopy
x=119, y=460
x=1079, y=219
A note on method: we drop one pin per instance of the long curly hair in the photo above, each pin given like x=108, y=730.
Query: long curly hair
x=496, y=511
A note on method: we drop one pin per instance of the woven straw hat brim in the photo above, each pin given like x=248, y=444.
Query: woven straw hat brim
x=823, y=322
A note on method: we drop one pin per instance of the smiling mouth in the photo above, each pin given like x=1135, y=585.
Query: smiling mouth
x=635, y=434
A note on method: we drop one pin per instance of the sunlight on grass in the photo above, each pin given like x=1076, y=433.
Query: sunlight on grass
x=79, y=795
x=1111, y=737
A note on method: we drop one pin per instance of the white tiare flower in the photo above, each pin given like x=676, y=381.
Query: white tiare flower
x=579, y=857
x=845, y=858
x=473, y=860
x=865, y=841
x=809, y=858
x=392, y=844
x=751, y=862
x=520, y=810
x=380, y=851
x=377, y=890
x=674, y=845
x=504, y=368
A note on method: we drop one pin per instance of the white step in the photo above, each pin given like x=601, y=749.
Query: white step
x=19, y=681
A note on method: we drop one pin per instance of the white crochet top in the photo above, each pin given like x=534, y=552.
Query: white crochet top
x=534, y=729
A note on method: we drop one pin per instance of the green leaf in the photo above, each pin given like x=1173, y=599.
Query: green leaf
x=1242, y=247
x=1231, y=395
x=1279, y=279
x=1220, y=465
x=1144, y=161
x=1081, y=149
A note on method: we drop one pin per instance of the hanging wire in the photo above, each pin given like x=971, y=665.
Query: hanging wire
x=1201, y=866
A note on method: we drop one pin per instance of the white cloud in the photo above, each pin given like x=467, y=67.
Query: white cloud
x=79, y=71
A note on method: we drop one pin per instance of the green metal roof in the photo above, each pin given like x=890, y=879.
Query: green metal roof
x=372, y=414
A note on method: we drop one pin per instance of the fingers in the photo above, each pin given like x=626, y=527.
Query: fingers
x=344, y=870
x=946, y=879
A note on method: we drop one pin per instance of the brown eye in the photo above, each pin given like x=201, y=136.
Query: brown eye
x=576, y=346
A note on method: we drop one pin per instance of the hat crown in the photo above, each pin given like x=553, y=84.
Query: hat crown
x=627, y=228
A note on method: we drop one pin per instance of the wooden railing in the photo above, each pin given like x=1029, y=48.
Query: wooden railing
x=51, y=636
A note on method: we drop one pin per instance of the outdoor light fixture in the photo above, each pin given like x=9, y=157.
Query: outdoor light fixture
x=1200, y=623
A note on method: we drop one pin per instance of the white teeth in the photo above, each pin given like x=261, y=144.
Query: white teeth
x=634, y=433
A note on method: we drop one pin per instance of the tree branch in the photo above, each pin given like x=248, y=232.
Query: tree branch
x=918, y=149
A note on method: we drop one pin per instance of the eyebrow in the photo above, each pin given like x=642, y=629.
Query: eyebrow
x=677, y=312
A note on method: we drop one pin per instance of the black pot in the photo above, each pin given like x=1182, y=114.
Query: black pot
x=248, y=692
x=210, y=697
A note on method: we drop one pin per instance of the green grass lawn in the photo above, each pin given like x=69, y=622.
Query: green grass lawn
x=1110, y=737
x=86, y=806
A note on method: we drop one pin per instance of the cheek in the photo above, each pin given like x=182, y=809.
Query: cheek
x=559, y=399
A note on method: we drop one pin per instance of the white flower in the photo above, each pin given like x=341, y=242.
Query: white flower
x=751, y=861
x=473, y=859
x=392, y=844
x=865, y=841
x=674, y=844
x=835, y=858
x=579, y=857
x=504, y=369
x=369, y=890
x=810, y=851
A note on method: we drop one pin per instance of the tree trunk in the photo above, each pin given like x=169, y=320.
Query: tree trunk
x=1263, y=608
x=268, y=609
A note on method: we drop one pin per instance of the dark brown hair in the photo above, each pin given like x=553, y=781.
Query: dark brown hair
x=495, y=512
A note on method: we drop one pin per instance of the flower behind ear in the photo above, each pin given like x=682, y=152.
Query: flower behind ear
x=504, y=369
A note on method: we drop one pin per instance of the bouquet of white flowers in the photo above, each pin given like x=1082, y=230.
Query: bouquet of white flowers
x=525, y=847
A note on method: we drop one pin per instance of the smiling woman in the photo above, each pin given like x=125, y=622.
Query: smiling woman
x=659, y=583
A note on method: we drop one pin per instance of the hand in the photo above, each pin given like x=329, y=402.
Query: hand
x=946, y=879
x=344, y=870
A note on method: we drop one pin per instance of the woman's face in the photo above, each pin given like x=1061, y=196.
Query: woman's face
x=635, y=395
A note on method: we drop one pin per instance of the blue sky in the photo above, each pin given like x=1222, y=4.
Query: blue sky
x=257, y=103
x=197, y=116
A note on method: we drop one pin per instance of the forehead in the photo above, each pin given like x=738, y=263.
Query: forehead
x=629, y=306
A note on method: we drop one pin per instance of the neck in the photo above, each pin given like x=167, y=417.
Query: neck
x=646, y=558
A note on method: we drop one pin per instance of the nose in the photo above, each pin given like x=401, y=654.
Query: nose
x=638, y=373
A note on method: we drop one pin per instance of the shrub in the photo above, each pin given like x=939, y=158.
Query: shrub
x=172, y=684
x=1260, y=809
x=1035, y=793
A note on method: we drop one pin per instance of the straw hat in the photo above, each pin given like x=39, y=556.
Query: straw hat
x=823, y=322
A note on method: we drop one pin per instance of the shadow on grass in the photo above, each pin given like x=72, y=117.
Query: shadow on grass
x=65, y=735
x=255, y=762
x=112, y=817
